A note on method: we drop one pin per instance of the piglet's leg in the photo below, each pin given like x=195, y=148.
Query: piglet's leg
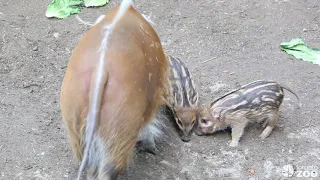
x=237, y=131
x=271, y=122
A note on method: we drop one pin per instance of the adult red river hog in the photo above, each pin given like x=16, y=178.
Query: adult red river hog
x=114, y=85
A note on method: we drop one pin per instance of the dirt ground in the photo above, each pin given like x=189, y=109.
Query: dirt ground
x=224, y=43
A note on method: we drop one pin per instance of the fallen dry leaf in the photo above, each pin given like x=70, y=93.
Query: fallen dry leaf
x=251, y=171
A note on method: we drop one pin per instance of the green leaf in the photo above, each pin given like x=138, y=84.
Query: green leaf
x=298, y=49
x=91, y=3
x=63, y=8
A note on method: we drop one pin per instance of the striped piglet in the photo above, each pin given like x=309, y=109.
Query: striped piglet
x=184, y=103
x=255, y=102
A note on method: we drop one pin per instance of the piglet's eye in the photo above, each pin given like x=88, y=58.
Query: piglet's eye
x=204, y=121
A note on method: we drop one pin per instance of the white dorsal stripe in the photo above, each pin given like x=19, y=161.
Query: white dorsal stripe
x=94, y=103
x=99, y=19
x=148, y=18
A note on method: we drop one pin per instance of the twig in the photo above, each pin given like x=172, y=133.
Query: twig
x=29, y=85
x=306, y=30
x=83, y=22
x=208, y=60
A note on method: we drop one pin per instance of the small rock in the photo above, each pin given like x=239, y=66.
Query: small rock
x=56, y=35
x=165, y=163
x=42, y=153
x=27, y=167
x=67, y=49
x=48, y=123
x=35, y=48
x=35, y=131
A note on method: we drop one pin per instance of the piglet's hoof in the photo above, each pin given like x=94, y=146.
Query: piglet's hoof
x=234, y=144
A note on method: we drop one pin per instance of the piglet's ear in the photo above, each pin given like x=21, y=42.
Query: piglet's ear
x=211, y=111
x=201, y=111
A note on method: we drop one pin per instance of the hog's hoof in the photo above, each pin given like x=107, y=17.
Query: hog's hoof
x=145, y=146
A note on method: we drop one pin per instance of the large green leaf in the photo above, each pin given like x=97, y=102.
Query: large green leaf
x=95, y=3
x=298, y=49
x=63, y=8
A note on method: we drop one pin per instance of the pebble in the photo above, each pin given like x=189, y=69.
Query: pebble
x=251, y=172
x=35, y=48
x=56, y=35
